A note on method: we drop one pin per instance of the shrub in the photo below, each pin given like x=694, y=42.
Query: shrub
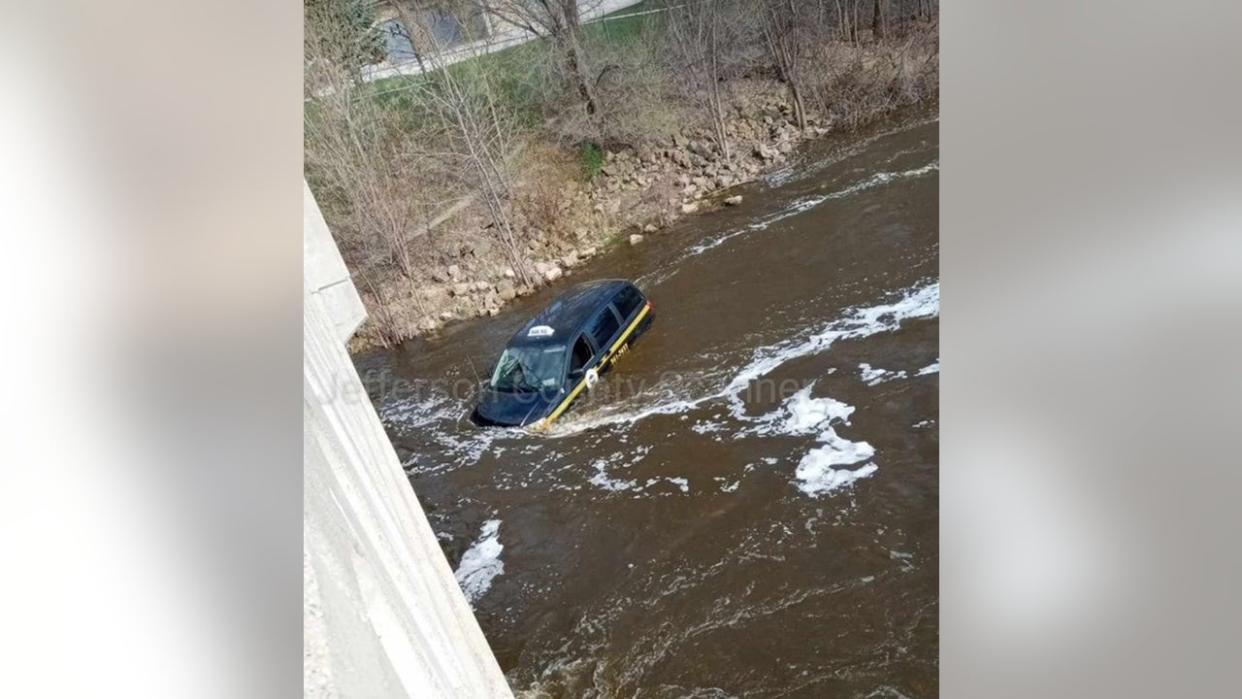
x=591, y=155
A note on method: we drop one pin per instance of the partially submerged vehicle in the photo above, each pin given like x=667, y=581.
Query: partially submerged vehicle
x=561, y=352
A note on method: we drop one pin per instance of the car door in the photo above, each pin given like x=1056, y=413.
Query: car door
x=604, y=329
x=581, y=358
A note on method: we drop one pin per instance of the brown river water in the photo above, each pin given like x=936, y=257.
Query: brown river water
x=748, y=505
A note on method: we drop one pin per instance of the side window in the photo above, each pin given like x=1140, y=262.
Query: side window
x=604, y=327
x=581, y=355
x=628, y=301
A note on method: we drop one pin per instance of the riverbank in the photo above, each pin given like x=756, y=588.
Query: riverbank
x=573, y=201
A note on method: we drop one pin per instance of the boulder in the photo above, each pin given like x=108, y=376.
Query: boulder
x=454, y=271
x=461, y=289
x=571, y=260
x=440, y=275
x=650, y=228
x=509, y=273
x=446, y=315
x=689, y=207
x=635, y=238
x=552, y=273
x=733, y=200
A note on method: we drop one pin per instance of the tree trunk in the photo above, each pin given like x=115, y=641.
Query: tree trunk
x=877, y=20
x=795, y=96
x=572, y=36
x=578, y=73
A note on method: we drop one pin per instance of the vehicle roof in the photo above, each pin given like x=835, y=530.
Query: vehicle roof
x=569, y=312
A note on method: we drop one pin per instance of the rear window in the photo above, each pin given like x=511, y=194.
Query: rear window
x=628, y=300
x=604, y=327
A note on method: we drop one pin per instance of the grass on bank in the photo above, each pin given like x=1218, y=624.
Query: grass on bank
x=521, y=73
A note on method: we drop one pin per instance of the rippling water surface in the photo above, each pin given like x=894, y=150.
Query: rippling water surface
x=748, y=505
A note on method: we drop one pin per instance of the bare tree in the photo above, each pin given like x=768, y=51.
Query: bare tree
x=698, y=35
x=477, y=140
x=354, y=150
x=784, y=35
x=879, y=19
x=561, y=22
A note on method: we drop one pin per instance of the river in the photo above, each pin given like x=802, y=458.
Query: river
x=748, y=505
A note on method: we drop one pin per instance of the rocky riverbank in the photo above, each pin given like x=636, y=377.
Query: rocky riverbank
x=637, y=193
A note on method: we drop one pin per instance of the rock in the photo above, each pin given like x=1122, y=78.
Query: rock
x=733, y=200
x=482, y=286
x=434, y=293
x=570, y=260
x=588, y=252
x=680, y=141
x=552, y=273
x=493, y=311
x=454, y=271
x=635, y=238
x=506, y=290
x=650, y=228
x=461, y=289
x=509, y=273
x=440, y=275
x=446, y=315
x=689, y=207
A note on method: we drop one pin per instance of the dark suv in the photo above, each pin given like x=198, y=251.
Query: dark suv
x=561, y=352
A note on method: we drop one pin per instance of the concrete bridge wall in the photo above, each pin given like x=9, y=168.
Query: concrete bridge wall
x=382, y=614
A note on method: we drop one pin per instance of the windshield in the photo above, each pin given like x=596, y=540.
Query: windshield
x=529, y=368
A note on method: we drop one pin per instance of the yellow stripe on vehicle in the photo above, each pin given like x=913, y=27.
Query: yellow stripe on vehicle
x=547, y=421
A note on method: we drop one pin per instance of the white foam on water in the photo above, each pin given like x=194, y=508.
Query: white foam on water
x=412, y=412
x=920, y=302
x=815, y=474
x=680, y=483
x=873, y=375
x=806, y=203
x=933, y=368
x=481, y=562
x=601, y=479
x=802, y=414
